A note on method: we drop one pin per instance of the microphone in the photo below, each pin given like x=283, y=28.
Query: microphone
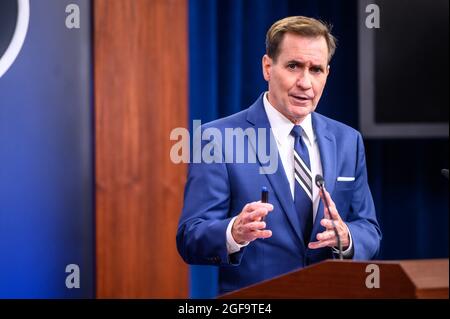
x=444, y=173
x=320, y=183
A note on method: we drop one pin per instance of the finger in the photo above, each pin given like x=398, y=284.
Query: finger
x=266, y=233
x=325, y=222
x=258, y=204
x=251, y=207
x=321, y=244
x=326, y=235
x=328, y=224
x=248, y=208
x=321, y=193
x=326, y=213
x=255, y=226
x=333, y=211
x=341, y=228
x=256, y=215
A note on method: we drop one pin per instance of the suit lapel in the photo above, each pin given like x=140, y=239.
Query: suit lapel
x=257, y=116
x=327, y=148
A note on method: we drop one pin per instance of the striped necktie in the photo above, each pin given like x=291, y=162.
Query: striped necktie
x=303, y=184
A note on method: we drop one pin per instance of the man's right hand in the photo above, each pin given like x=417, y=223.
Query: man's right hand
x=248, y=225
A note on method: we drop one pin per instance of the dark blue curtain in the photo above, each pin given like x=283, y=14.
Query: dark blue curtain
x=226, y=46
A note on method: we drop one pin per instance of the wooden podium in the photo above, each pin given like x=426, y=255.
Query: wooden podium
x=426, y=278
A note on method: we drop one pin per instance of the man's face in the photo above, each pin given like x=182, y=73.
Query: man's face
x=297, y=78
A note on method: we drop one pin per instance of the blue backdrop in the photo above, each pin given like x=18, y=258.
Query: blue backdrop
x=226, y=46
x=46, y=167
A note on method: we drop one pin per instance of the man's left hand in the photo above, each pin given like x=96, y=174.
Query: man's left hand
x=328, y=237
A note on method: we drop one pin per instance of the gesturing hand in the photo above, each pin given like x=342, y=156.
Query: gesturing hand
x=249, y=226
x=328, y=237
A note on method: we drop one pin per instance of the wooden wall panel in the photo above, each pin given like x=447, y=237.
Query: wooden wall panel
x=140, y=76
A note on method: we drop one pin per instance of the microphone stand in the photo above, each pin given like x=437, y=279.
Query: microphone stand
x=322, y=188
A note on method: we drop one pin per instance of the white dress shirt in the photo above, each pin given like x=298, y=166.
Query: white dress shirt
x=281, y=129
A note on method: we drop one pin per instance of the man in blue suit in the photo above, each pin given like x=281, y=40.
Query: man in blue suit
x=223, y=222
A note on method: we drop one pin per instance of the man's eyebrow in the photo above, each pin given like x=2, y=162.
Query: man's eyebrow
x=301, y=63
x=295, y=62
x=320, y=66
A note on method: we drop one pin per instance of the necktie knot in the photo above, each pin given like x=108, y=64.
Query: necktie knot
x=297, y=131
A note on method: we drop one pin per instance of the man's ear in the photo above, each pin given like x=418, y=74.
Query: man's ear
x=328, y=69
x=266, y=66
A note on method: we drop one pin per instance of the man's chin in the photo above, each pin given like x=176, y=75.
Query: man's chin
x=302, y=111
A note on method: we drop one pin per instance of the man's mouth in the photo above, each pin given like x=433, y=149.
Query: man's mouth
x=301, y=97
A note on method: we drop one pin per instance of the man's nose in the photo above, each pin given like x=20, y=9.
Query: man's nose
x=304, y=80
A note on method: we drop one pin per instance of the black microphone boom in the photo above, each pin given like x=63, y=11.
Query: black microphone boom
x=320, y=183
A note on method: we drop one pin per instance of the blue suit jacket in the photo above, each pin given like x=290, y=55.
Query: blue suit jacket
x=216, y=192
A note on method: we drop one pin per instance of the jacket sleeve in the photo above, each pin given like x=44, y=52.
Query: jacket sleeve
x=201, y=234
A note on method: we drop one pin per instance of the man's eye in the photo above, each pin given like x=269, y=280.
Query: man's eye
x=316, y=70
x=292, y=66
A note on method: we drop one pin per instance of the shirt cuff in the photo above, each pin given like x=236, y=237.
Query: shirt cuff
x=349, y=251
x=232, y=245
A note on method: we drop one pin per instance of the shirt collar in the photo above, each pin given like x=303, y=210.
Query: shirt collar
x=282, y=126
